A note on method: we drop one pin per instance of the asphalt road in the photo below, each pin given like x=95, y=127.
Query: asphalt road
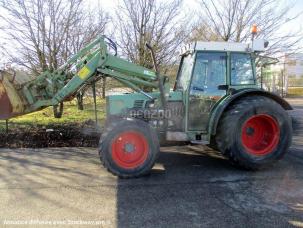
x=188, y=187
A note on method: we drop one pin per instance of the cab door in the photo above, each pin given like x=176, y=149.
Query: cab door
x=209, y=72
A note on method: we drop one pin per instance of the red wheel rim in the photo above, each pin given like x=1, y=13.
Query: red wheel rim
x=260, y=135
x=129, y=149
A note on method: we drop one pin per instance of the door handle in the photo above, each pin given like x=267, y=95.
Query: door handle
x=223, y=87
x=198, y=88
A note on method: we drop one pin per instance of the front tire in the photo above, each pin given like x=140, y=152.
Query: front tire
x=128, y=148
x=254, y=132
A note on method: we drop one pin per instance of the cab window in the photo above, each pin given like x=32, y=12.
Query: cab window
x=241, y=69
x=185, y=72
x=209, y=72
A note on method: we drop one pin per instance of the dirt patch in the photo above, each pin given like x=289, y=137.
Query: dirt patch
x=85, y=134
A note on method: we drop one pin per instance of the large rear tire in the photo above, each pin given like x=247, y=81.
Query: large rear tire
x=254, y=132
x=128, y=148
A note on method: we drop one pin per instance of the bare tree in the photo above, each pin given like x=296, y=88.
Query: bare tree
x=88, y=26
x=148, y=21
x=43, y=34
x=231, y=20
x=2, y=56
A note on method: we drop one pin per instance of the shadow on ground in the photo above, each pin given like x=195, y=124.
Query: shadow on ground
x=188, y=187
x=203, y=190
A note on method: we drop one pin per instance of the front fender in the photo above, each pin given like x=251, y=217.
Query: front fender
x=229, y=99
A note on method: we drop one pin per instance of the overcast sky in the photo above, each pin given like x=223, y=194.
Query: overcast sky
x=191, y=6
x=109, y=5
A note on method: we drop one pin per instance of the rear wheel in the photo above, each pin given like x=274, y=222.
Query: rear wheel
x=254, y=132
x=128, y=148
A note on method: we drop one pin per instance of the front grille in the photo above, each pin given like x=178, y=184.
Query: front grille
x=138, y=103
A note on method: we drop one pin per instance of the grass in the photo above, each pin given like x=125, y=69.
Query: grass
x=71, y=115
x=294, y=91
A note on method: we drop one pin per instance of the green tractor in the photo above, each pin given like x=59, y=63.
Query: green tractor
x=216, y=101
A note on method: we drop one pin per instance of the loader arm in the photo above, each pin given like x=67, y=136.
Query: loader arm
x=88, y=65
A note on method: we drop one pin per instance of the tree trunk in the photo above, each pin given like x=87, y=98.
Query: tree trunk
x=80, y=96
x=103, y=87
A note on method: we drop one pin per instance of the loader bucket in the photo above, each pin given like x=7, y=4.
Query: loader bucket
x=11, y=104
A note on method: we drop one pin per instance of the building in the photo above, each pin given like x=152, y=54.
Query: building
x=285, y=77
x=294, y=72
x=294, y=66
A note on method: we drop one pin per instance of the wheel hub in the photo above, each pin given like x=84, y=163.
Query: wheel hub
x=250, y=131
x=129, y=148
x=260, y=135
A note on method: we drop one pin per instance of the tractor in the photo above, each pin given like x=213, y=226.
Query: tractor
x=216, y=101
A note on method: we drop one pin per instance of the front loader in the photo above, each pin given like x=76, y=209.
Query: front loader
x=216, y=101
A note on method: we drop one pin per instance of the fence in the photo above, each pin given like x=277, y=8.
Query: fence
x=275, y=79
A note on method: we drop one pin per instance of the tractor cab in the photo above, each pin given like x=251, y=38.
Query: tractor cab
x=209, y=71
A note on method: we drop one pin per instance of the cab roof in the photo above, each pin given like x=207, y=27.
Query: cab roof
x=220, y=46
x=256, y=46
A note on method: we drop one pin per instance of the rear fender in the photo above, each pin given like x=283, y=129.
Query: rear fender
x=225, y=102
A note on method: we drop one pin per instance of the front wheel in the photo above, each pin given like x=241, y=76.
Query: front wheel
x=254, y=132
x=128, y=148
